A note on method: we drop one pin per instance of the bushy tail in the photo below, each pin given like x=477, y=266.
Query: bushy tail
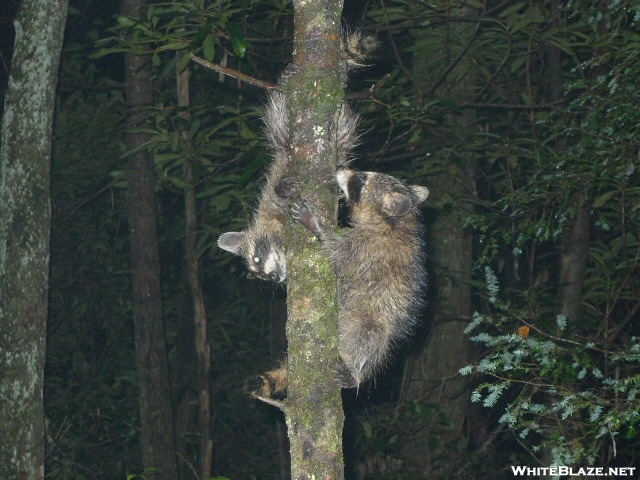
x=357, y=49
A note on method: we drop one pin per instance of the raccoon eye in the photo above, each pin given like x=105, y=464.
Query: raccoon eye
x=354, y=188
x=361, y=179
x=257, y=260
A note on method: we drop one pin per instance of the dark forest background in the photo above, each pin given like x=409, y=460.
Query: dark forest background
x=522, y=118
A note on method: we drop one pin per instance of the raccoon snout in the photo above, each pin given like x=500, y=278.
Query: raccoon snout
x=274, y=277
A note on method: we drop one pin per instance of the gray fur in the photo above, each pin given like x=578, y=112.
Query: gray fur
x=379, y=263
x=260, y=244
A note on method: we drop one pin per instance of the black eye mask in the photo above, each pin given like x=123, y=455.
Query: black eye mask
x=354, y=187
x=262, y=250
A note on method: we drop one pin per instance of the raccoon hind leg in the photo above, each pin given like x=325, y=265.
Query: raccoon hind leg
x=271, y=384
x=345, y=376
x=364, y=345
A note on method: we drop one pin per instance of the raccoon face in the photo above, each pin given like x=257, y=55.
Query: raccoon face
x=263, y=256
x=389, y=196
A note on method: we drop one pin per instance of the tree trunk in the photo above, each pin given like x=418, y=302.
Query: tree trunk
x=435, y=381
x=192, y=268
x=575, y=245
x=573, y=262
x=25, y=218
x=156, y=419
x=313, y=410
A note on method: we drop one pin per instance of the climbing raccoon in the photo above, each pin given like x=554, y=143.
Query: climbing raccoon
x=260, y=244
x=379, y=264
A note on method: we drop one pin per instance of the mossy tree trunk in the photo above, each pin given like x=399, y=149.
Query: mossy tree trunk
x=156, y=417
x=25, y=217
x=314, y=406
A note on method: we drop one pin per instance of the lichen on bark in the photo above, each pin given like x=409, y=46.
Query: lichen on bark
x=314, y=406
x=24, y=234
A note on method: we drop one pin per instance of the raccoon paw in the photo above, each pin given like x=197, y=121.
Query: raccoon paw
x=288, y=72
x=264, y=386
x=286, y=187
x=345, y=376
x=304, y=211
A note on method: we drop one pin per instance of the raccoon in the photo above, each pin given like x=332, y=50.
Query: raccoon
x=260, y=244
x=379, y=264
x=356, y=50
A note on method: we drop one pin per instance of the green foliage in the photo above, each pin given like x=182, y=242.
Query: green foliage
x=571, y=395
x=554, y=387
x=91, y=390
x=540, y=154
x=576, y=380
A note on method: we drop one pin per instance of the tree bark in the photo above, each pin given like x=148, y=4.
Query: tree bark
x=575, y=245
x=435, y=381
x=573, y=262
x=313, y=410
x=25, y=218
x=192, y=268
x=156, y=418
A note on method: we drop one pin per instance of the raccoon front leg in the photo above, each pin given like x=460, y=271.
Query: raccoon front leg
x=286, y=187
x=305, y=212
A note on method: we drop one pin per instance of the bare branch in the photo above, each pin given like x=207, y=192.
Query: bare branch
x=234, y=73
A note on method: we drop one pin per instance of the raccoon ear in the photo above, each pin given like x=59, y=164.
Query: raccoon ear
x=231, y=242
x=396, y=204
x=420, y=192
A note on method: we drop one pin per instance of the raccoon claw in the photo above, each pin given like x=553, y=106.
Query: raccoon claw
x=286, y=187
x=345, y=377
x=300, y=208
x=288, y=72
x=304, y=211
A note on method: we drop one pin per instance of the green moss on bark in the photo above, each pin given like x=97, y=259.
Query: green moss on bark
x=314, y=405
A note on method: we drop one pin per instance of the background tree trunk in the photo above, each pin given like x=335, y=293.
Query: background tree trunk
x=314, y=405
x=192, y=268
x=156, y=418
x=25, y=217
x=435, y=381
x=575, y=245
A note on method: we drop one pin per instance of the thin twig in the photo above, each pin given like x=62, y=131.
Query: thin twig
x=276, y=403
x=452, y=64
x=511, y=106
x=234, y=73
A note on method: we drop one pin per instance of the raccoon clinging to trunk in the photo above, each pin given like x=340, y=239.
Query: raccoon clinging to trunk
x=379, y=264
x=260, y=244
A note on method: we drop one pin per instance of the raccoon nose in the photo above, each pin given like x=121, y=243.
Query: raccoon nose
x=274, y=276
